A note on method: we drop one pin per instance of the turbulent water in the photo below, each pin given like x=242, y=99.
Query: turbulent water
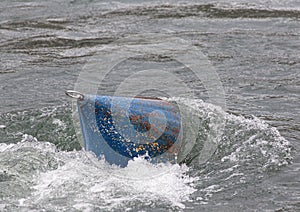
x=252, y=160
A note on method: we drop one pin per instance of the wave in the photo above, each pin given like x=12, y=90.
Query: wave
x=203, y=10
x=52, y=41
x=34, y=173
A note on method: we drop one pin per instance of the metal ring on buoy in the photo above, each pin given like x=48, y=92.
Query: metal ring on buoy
x=75, y=94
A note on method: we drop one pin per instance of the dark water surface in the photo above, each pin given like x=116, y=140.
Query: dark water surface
x=254, y=48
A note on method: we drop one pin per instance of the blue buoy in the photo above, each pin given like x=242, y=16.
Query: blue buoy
x=121, y=128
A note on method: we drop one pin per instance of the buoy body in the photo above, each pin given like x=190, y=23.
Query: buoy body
x=120, y=128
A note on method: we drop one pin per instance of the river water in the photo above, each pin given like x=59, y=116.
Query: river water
x=253, y=53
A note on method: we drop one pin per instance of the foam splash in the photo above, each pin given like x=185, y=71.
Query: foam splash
x=96, y=185
x=239, y=139
x=246, y=150
x=263, y=143
x=19, y=165
x=80, y=181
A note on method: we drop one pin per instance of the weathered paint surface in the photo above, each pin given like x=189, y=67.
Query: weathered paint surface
x=120, y=128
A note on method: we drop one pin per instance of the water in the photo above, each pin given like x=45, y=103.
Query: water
x=254, y=49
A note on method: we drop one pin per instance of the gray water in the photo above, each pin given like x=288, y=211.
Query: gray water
x=254, y=48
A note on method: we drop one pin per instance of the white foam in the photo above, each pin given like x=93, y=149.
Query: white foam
x=5, y=147
x=59, y=123
x=86, y=184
